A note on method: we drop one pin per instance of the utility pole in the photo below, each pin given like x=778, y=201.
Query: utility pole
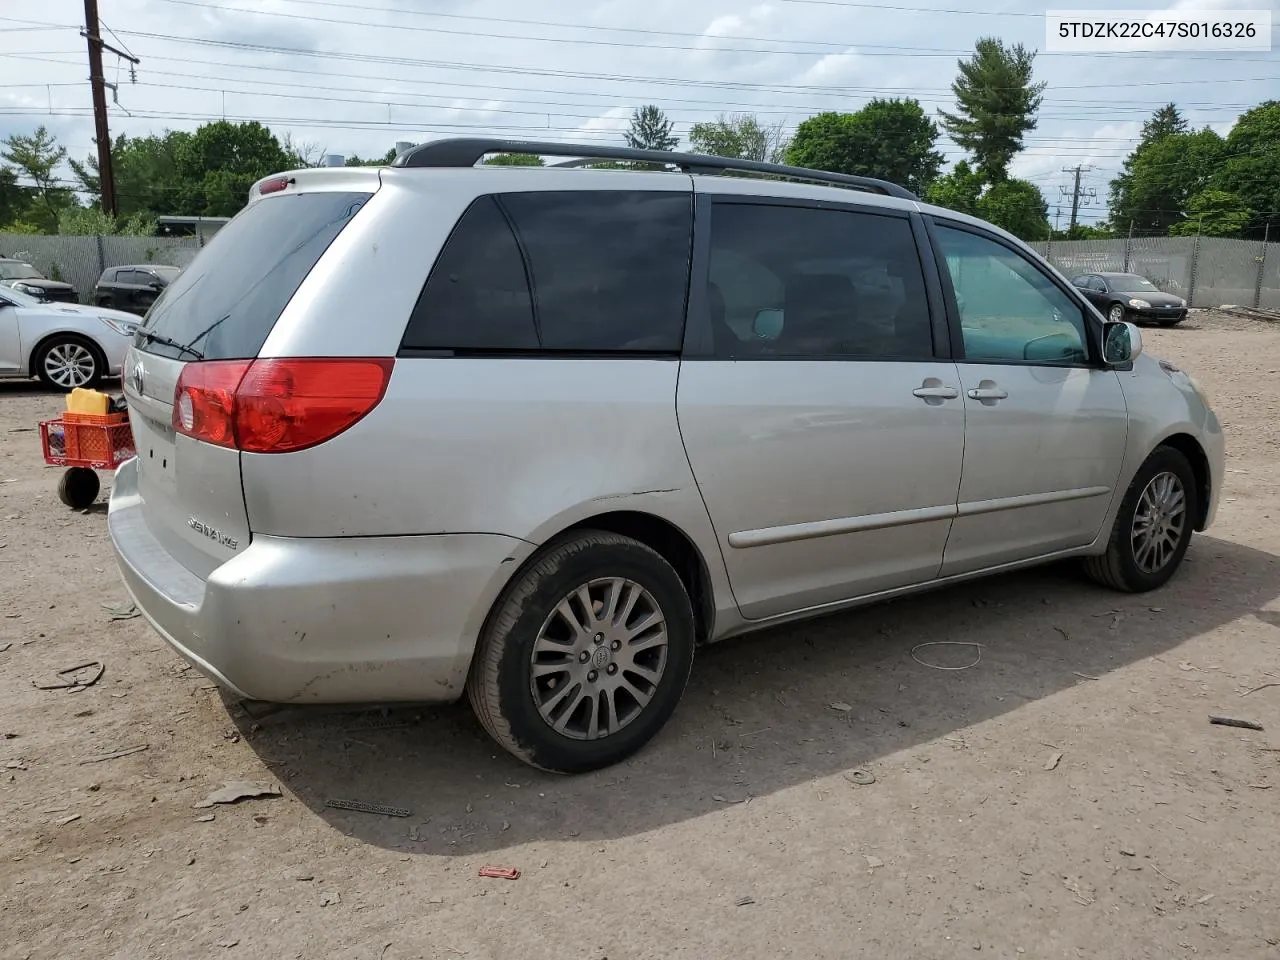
x=1075, y=193
x=92, y=33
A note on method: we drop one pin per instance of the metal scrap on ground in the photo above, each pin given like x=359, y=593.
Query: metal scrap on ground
x=235, y=790
x=361, y=807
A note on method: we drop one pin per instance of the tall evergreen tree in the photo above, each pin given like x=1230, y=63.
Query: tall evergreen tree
x=996, y=104
x=651, y=130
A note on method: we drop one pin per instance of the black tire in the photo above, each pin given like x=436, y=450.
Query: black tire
x=79, y=487
x=68, y=342
x=1119, y=568
x=1111, y=313
x=500, y=685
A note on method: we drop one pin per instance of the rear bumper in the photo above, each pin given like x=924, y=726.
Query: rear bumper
x=349, y=620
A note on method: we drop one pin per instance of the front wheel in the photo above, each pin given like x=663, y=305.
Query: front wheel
x=66, y=362
x=585, y=655
x=1153, y=526
x=1116, y=313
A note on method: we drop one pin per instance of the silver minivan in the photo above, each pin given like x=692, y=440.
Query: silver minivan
x=537, y=433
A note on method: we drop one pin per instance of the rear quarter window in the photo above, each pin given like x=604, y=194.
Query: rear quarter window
x=226, y=303
x=560, y=272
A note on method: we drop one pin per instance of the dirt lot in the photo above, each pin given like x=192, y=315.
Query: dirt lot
x=737, y=833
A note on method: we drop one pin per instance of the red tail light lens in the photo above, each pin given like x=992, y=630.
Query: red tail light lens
x=277, y=406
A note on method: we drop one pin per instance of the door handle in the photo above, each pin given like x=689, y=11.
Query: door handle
x=936, y=393
x=987, y=390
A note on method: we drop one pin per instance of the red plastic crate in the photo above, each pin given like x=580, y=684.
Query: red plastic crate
x=87, y=440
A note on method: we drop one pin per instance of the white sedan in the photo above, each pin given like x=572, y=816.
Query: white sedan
x=65, y=345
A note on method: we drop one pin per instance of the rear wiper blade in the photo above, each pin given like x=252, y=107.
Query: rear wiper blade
x=150, y=337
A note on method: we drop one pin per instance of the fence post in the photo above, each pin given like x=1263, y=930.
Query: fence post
x=1128, y=247
x=1195, y=262
x=102, y=256
x=1262, y=266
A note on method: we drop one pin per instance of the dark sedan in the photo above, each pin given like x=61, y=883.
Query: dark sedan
x=133, y=288
x=1127, y=296
x=25, y=278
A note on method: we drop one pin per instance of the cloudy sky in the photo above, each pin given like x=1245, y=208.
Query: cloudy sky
x=354, y=77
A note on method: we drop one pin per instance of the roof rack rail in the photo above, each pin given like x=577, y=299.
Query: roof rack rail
x=468, y=151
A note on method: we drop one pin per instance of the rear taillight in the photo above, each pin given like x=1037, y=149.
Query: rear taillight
x=276, y=406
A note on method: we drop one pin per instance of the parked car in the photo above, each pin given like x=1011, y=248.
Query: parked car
x=65, y=345
x=590, y=419
x=133, y=288
x=23, y=277
x=1127, y=296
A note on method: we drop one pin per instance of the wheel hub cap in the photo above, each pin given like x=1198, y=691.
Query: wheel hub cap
x=598, y=658
x=1158, y=522
x=69, y=365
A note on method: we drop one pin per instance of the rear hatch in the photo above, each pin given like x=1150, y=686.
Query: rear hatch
x=221, y=308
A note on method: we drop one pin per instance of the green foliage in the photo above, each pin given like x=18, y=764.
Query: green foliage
x=515, y=160
x=739, y=136
x=996, y=104
x=1016, y=206
x=146, y=174
x=37, y=157
x=890, y=139
x=15, y=200
x=1165, y=122
x=958, y=190
x=1213, y=213
x=356, y=161
x=650, y=130
x=92, y=221
x=1160, y=177
x=1251, y=163
x=1084, y=232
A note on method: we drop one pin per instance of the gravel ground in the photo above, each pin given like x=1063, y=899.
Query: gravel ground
x=1065, y=797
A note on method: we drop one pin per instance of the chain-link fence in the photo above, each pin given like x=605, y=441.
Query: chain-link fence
x=1206, y=271
x=80, y=261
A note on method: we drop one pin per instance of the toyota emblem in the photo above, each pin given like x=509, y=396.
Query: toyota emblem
x=139, y=377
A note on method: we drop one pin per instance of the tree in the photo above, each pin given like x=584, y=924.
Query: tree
x=38, y=157
x=356, y=161
x=15, y=199
x=218, y=164
x=889, y=139
x=304, y=153
x=93, y=221
x=515, y=160
x=1250, y=161
x=650, y=130
x=958, y=190
x=146, y=175
x=996, y=104
x=1165, y=122
x=1213, y=213
x=1017, y=206
x=1160, y=177
x=739, y=136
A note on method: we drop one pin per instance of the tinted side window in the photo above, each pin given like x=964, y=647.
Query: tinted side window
x=809, y=282
x=1009, y=310
x=477, y=296
x=610, y=268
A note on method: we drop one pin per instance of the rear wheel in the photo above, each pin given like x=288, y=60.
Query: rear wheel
x=585, y=655
x=66, y=362
x=1153, y=527
x=79, y=487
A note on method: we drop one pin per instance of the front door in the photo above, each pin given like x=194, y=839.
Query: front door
x=825, y=435
x=1045, y=424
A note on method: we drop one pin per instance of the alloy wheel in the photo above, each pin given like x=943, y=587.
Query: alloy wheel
x=598, y=658
x=69, y=364
x=1158, y=522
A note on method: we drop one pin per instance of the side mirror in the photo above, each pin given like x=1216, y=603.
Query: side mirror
x=1121, y=344
x=767, y=324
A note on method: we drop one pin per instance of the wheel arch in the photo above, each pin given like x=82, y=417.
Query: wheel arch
x=1190, y=448
x=99, y=354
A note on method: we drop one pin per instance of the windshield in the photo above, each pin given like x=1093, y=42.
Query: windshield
x=224, y=305
x=19, y=271
x=1133, y=284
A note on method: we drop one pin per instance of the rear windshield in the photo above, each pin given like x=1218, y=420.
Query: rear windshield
x=224, y=305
